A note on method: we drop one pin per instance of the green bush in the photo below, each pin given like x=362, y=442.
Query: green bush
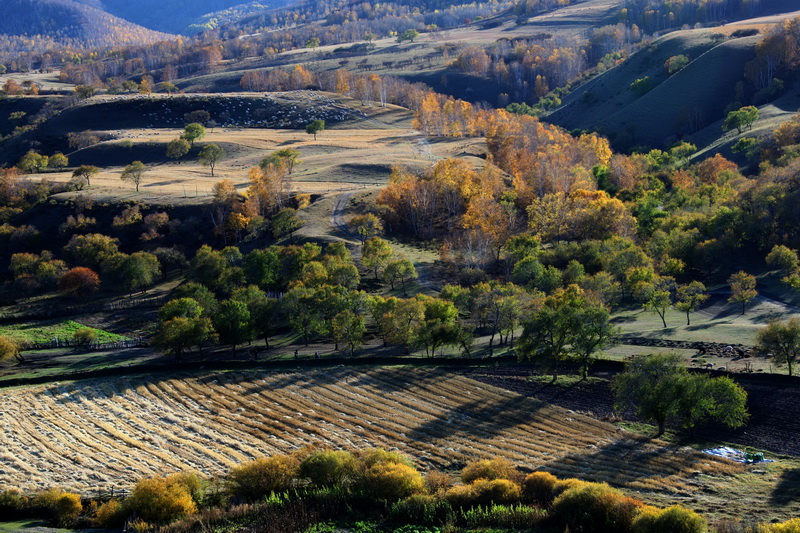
x=260, y=478
x=642, y=85
x=421, y=509
x=596, y=507
x=675, y=519
x=61, y=508
x=498, y=468
x=506, y=516
x=393, y=481
x=374, y=456
x=329, y=468
x=537, y=487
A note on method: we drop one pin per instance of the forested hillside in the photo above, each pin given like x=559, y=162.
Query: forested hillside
x=39, y=25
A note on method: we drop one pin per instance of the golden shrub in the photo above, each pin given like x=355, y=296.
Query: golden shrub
x=790, y=526
x=393, y=481
x=262, y=477
x=63, y=508
x=157, y=501
x=498, y=468
x=537, y=487
x=675, y=519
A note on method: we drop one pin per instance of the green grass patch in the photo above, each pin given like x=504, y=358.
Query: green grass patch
x=45, y=331
x=564, y=380
x=22, y=525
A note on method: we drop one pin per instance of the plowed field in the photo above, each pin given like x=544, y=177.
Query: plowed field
x=94, y=435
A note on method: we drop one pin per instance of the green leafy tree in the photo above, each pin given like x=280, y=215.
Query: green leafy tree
x=261, y=267
x=596, y=332
x=690, y=297
x=348, y=328
x=741, y=119
x=182, y=326
x=400, y=269
x=178, y=148
x=312, y=43
x=139, y=270
x=659, y=388
x=301, y=308
x=208, y=266
x=285, y=223
x=166, y=87
x=32, y=162
x=657, y=296
x=743, y=288
x=408, y=35
x=193, y=132
x=314, y=127
x=58, y=160
x=376, y=254
x=210, y=155
x=133, y=173
x=86, y=172
x=676, y=63
x=783, y=258
x=366, y=226
x=264, y=311
x=232, y=323
x=287, y=157
x=781, y=339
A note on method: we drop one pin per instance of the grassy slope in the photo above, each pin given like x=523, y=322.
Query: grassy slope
x=706, y=84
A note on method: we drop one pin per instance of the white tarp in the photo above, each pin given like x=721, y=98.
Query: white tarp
x=733, y=454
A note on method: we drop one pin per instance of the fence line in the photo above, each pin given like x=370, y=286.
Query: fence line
x=93, y=346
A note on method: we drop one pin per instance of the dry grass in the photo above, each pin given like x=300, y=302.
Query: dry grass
x=86, y=436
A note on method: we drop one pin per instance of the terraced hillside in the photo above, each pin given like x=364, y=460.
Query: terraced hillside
x=89, y=436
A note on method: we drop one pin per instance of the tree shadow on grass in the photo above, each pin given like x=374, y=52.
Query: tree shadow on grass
x=788, y=488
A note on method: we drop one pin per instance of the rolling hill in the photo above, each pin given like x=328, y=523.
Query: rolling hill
x=678, y=105
x=34, y=25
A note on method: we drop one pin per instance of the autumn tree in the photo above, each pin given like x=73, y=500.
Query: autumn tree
x=79, y=281
x=783, y=258
x=314, y=127
x=781, y=339
x=743, y=288
x=133, y=173
x=86, y=172
x=193, y=132
x=288, y=157
x=210, y=155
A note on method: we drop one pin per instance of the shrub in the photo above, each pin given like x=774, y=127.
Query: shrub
x=790, y=526
x=498, y=468
x=12, y=501
x=260, y=478
x=537, y=487
x=438, y=482
x=484, y=492
x=506, y=516
x=564, y=484
x=110, y=515
x=596, y=507
x=374, y=456
x=61, y=508
x=193, y=483
x=329, y=468
x=675, y=519
x=421, y=509
x=85, y=336
x=642, y=85
x=158, y=501
x=393, y=481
